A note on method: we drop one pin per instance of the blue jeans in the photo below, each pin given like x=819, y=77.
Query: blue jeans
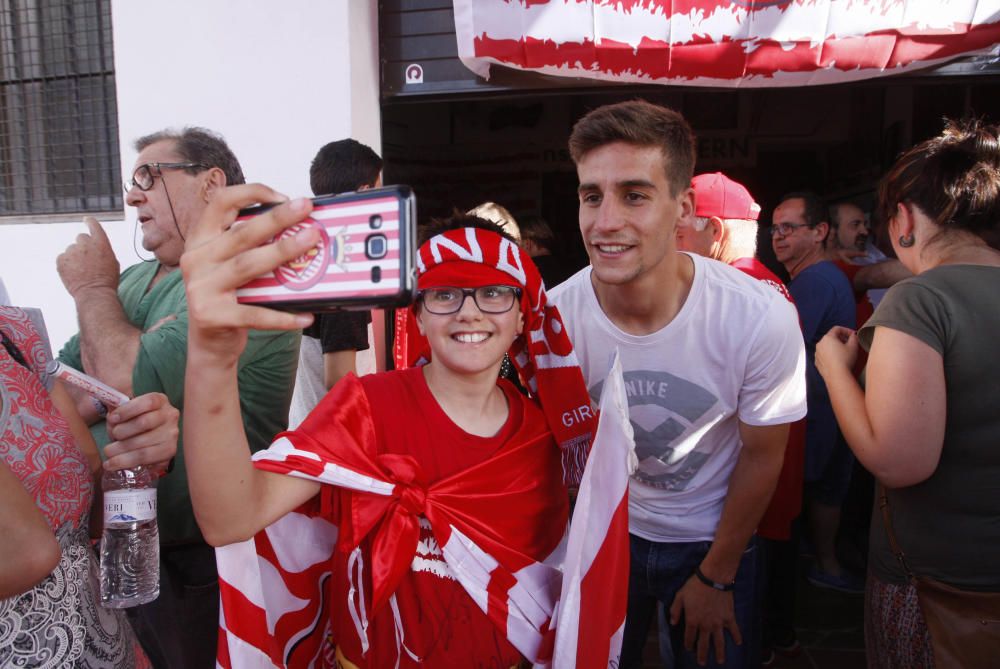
x=656, y=573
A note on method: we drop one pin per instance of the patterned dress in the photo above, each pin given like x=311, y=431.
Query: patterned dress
x=59, y=622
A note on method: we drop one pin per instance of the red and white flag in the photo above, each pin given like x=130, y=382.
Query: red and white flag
x=591, y=614
x=275, y=612
x=756, y=43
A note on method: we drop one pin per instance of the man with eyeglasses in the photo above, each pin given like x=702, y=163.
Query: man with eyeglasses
x=133, y=336
x=824, y=297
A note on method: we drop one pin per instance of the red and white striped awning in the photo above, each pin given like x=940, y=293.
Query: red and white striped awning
x=757, y=43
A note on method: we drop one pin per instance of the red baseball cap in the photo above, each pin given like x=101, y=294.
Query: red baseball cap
x=718, y=195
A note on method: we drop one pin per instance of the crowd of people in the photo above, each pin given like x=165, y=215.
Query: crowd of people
x=748, y=404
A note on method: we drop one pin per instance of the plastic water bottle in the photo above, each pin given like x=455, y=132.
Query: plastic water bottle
x=130, y=547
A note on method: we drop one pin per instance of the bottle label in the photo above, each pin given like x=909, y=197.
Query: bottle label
x=127, y=506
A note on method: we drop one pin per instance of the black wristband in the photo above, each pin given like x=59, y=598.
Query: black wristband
x=724, y=587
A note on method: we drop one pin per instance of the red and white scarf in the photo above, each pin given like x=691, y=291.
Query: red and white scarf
x=543, y=355
x=276, y=609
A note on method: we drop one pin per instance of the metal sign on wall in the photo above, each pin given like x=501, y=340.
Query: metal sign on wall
x=756, y=43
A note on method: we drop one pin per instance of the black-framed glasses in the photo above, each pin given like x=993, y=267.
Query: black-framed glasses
x=785, y=229
x=445, y=300
x=145, y=175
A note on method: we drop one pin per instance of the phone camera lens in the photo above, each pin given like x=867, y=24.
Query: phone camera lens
x=375, y=222
x=376, y=246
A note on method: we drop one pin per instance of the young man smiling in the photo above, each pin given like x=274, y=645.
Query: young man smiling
x=713, y=366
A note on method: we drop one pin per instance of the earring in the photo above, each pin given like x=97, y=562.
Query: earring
x=906, y=241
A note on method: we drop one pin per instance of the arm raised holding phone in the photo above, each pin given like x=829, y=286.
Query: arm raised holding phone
x=232, y=499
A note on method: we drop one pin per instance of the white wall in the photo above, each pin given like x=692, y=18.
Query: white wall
x=28, y=266
x=277, y=80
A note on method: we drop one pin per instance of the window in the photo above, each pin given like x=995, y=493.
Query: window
x=58, y=117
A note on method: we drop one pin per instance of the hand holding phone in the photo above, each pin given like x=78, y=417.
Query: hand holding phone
x=220, y=257
x=365, y=257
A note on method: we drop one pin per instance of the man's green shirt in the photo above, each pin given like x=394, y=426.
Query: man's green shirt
x=266, y=378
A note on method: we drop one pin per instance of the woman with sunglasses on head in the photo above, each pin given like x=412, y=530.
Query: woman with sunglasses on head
x=926, y=424
x=444, y=483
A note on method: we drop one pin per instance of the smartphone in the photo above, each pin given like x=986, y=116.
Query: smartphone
x=366, y=257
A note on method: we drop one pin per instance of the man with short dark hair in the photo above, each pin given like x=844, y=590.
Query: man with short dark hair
x=823, y=295
x=799, y=231
x=330, y=345
x=133, y=336
x=344, y=165
x=713, y=367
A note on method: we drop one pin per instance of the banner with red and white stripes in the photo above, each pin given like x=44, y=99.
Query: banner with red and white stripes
x=273, y=612
x=591, y=615
x=754, y=43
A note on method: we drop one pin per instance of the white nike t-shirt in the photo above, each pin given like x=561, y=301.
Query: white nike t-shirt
x=733, y=352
